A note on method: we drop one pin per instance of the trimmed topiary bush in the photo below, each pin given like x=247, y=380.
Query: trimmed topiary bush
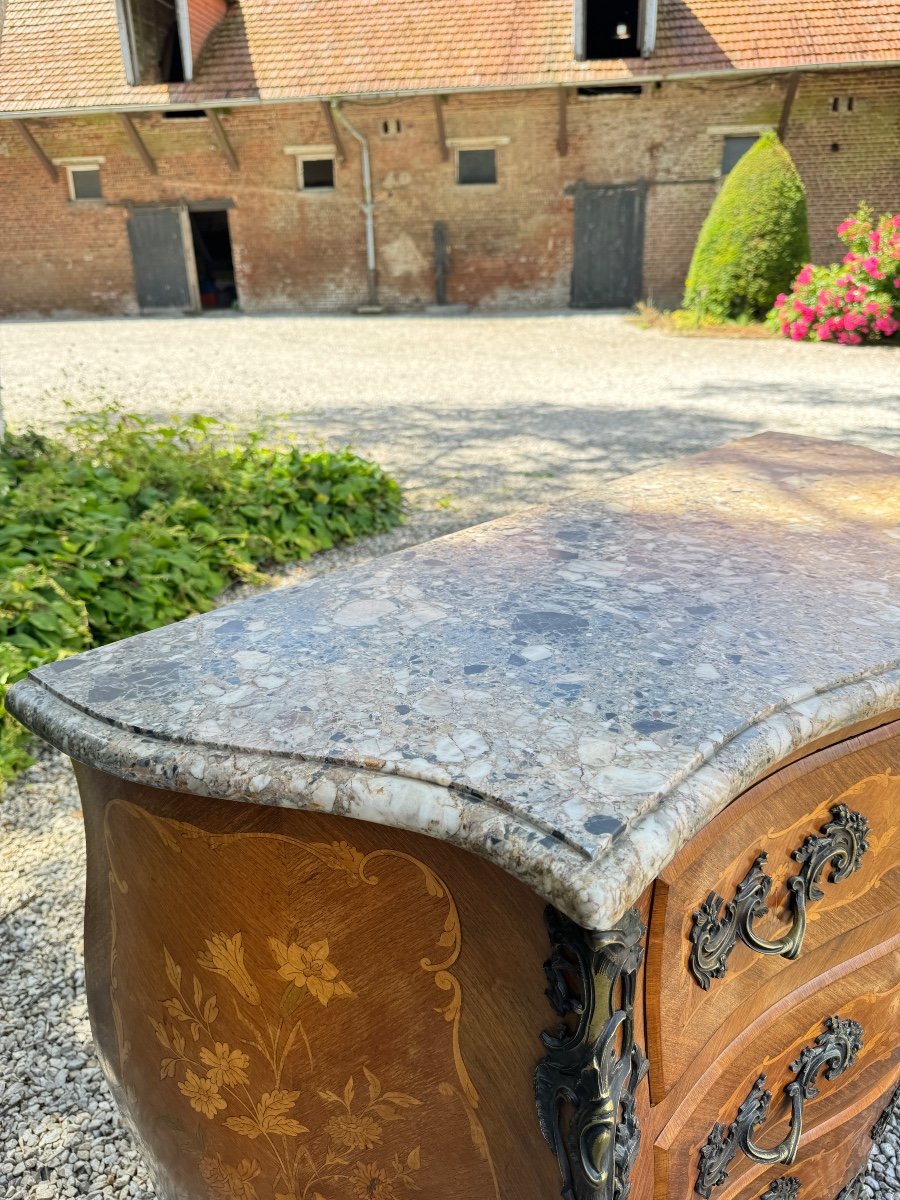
x=754, y=240
x=852, y=302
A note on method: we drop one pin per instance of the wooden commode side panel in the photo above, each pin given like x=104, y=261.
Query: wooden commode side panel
x=845, y=796
x=312, y=1008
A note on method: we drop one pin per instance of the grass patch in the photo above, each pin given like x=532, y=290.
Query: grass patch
x=687, y=324
x=128, y=523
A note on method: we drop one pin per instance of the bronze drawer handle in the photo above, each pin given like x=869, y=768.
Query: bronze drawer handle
x=835, y=1050
x=717, y=925
x=785, y=1188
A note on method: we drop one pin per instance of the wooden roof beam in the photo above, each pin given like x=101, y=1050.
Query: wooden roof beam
x=222, y=138
x=441, y=130
x=29, y=139
x=136, y=140
x=790, y=94
x=562, y=129
x=335, y=133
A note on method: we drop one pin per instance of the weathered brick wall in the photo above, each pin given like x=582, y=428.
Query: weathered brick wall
x=511, y=244
x=865, y=165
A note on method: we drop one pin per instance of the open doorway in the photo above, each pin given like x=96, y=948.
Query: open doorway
x=215, y=264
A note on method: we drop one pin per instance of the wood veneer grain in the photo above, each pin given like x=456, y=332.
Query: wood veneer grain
x=864, y=988
x=775, y=816
x=413, y=968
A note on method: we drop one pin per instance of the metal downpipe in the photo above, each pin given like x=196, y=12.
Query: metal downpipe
x=368, y=205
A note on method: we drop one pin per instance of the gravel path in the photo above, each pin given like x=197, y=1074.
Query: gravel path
x=476, y=416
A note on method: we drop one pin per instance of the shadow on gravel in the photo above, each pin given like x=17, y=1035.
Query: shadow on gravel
x=537, y=450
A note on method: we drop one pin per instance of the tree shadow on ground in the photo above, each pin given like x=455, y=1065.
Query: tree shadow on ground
x=501, y=458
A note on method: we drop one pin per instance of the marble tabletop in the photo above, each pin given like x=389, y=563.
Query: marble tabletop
x=572, y=692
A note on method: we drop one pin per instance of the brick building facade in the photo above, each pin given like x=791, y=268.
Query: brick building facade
x=277, y=188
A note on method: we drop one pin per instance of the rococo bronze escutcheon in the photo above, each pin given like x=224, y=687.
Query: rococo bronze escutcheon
x=834, y=1051
x=585, y=1084
x=718, y=926
x=785, y=1188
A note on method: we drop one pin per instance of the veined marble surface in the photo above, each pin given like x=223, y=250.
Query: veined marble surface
x=572, y=692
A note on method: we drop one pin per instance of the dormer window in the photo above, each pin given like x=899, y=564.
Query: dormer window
x=605, y=29
x=171, y=60
x=162, y=39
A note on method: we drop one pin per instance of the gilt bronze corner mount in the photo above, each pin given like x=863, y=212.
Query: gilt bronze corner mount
x=585, y=1084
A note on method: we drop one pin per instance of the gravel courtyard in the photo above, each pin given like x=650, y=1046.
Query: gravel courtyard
x=476, y=416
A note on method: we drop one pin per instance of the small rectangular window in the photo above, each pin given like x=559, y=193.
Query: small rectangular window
x=622, y=89
x=317, y=173
x=734, y=149
x=84, y=183
x=476, y=166
x=611, y=29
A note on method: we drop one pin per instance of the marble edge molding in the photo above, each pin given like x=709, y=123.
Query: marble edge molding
x=594, y=892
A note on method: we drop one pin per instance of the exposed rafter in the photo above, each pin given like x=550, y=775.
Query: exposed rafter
x=135, y=138
x=441, y=131
x=790, y=93
x=222, y=138
x=340, y=153
x=29, y=139
x=562, y=131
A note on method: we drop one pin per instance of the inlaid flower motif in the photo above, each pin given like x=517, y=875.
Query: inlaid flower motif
x=220, y=1080
x=231, y=1183
x=309, y=968
x=354, y=1133
x=270, y=1117
x=202, y=1093
x=225, y=1065
x=225, y=956
x=369, y=1182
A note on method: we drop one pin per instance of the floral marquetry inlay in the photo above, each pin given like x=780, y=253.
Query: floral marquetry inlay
x=298, y=1047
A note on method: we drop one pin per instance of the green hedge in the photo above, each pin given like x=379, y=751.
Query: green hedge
x=128, y=524
x=754, y=240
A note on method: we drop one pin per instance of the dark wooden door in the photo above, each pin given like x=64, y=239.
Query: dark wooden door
x=158, y=255
x=609, y=246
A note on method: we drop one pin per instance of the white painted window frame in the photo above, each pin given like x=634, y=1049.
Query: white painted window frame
x=476, y=143
x=71, y=165
x=314, y=153
x=125, y=23
x=738, y=130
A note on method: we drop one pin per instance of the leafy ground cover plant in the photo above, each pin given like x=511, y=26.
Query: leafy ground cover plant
x=754, y=240
x=129, y=523
x=854, y=301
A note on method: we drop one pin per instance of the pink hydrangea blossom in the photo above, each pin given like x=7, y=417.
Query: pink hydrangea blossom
x=850, y=302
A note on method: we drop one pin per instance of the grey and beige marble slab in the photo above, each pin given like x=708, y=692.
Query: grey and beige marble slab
x=571, y=692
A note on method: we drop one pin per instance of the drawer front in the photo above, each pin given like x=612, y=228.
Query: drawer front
x=826, y=1163
x=823, y=1057
x=759, y=895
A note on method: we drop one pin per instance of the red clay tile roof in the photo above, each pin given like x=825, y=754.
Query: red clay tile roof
x=64, y=54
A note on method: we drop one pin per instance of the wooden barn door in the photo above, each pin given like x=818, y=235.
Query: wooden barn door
x=164, y=271
x=609, y=245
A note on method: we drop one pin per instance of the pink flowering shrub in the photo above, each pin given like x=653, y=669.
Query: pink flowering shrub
x=852, y=302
